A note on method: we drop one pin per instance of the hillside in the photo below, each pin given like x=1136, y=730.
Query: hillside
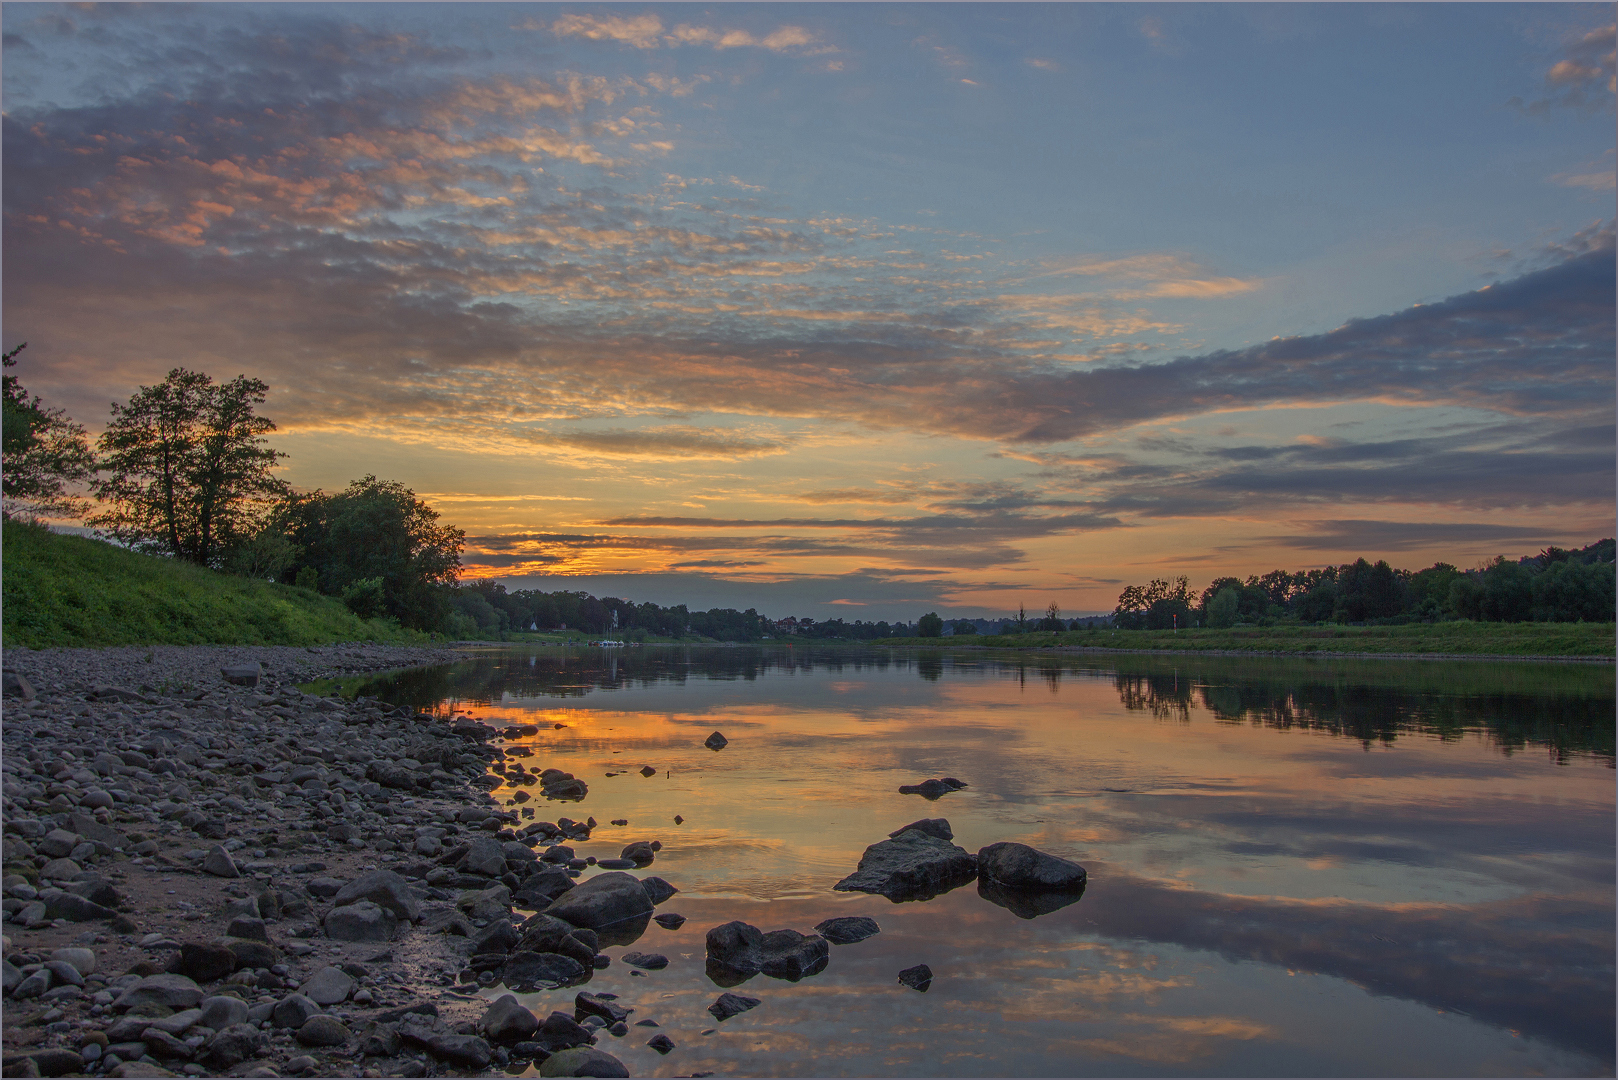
x=71, y=590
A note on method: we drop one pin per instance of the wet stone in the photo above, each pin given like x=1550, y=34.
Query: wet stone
x=728, y=1005
x=848, y=929
x=919, y=977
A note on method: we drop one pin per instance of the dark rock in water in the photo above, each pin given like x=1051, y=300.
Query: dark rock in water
x=1028, y=903
x=587, y=1004
x=661, y=1043
x=715, y=741
x=602, y=901
x=1018, y=866
x=669, y=920
x=678, y=820
x=640, y=852
x=500, y=936
x=848, y=929
x=780, y=954
x=647, y=770
x=728, y=1005
x=560, y=1031
x=657, y=890
x=647, y=961
x=919, y=977
x=507, y=1021
x=534, y=968
x=602, y=962
x=932, y=789
x=582, y=1061
x=541, y=885
x=543, y=934
x=616, y=864
x=911, y=866
x=935, y=826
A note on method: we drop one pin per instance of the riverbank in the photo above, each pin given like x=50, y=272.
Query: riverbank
x=183, y=836
x=1434, y=641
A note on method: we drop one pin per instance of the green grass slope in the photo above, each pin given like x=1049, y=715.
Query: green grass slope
x=71, y=590
x=1437, y=639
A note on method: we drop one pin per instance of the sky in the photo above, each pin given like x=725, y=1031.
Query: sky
x=852, y=310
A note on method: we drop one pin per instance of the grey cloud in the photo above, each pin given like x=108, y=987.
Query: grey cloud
x=667, y=442
x=1388, y=536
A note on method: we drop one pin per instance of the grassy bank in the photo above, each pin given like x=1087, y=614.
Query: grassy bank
x=1436, y=639
x=71, y=590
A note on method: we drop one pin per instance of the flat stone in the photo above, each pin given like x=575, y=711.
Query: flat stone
x=669, y=921
x=536, y=968
x=248, y=928
x=49, y=1062
x=727, y=1005
x=250, y=953
x=848, y=929
x=587, y=1004
x=75, y=908
x=911, y=866
x=173, y=991
x=937, y=826
x=646, y=961
x=243, y=674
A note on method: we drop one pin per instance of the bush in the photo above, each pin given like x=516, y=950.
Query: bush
x=308, y=578
x=1223, y=609
x=366, y=597
x=930, y=625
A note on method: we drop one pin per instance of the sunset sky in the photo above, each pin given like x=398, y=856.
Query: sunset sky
x=852, y=310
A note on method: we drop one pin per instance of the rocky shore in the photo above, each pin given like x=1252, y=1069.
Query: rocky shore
x=211, y=877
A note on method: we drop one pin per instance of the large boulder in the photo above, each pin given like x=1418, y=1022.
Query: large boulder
x=233, y=1045
x=912, y=866
x=738, y=951
x=363, y=921
x=541, y=887
x=1018, y=866
x=169, y=990
x=383, y=888
x=203, y=962
x=328, y=986
x=603, y=901
x=582, y=1061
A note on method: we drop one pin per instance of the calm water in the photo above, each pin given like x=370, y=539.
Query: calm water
x=1296, y=867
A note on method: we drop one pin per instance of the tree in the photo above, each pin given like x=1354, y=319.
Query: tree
x=1224, y=608
x=965, y=627
x=376, y=529
x=930, y=625
x=190, y=470
x=1052, y=619
x=43, y=452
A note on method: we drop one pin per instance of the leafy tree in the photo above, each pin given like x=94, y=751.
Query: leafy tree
x=965, y=627
x=1225, y=608
x=1508, y=592
x=190, y=470
x=1317, y=604
x=930, y=625
x=376, y=529
x=1158, y=605
x=42, y=453
x=1570, y=591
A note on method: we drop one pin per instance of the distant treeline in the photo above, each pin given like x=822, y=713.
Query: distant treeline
x=483, y=606
x=1557, y=585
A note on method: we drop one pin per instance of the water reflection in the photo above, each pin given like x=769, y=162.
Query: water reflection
x=1284, y=855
